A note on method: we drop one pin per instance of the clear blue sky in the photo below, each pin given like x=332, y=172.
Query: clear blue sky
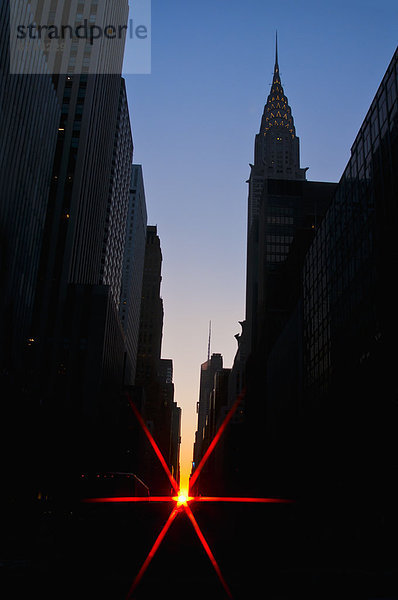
x=194, y=120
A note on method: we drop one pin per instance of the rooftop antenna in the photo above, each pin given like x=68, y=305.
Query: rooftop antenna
x=208, y=346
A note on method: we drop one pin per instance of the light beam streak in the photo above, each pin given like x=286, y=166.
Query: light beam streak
x=152, y=552
x=215, y=440
x=207, y=550
x=154, y=446
x=240, y=499
x=128, y=499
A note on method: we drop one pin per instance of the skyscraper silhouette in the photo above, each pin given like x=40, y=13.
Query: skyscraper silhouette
x=279, y=200
x=284, y=212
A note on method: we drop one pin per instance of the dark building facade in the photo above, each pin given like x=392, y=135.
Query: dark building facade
x=118, y=200
x=82, y=244
x=350, y=327
x=133, y=267
x=28, y=128
x=29, y=117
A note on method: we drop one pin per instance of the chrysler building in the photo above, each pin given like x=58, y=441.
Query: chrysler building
x=277, y=148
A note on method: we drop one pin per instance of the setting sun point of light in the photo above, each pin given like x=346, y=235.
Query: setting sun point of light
x=182, y=499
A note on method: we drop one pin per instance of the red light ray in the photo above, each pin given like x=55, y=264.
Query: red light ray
x=154, y=446
x=152, y=552
x=215, y=440
x=207, y=549
x=129, y=499
x=185, y=505
x=240, y=499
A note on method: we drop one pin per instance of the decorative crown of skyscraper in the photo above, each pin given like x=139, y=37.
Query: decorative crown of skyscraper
x=277, y=112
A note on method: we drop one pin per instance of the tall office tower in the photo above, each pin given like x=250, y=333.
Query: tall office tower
x=71, y=382
x=29, y=116
x=77, y=217
x=133, y=267
x=118, y=201
x=208, y=370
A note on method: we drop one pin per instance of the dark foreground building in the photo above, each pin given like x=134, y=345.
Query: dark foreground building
x=29, y=118
x=350, y=411
x=66, y=168
x=320, y=396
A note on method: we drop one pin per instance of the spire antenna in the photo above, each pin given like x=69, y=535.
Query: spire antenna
x=208, y=346
x=276, y=50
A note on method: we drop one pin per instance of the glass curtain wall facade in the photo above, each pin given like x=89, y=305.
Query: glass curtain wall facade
x=350, y=301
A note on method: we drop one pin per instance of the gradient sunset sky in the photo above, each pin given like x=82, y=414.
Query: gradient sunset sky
x=194, y=119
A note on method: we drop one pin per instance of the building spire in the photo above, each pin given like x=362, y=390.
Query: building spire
x=209, y=344
x=277, y=114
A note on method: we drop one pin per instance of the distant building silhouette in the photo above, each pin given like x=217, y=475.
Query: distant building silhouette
x=151, y=317
x=154, y=388
x=208, y=371
x=173, y=427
